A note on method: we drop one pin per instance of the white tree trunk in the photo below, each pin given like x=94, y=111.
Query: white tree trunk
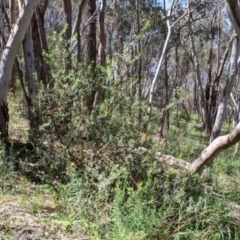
x=13, y=44
x=8, y=57
x=164, y=53
x=30, y=65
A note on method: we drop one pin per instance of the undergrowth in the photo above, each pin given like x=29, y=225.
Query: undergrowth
x=89, y=176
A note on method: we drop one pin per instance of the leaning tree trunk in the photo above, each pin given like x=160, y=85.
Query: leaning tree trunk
x=160, y=63
x=9, y=54
x=217, y=146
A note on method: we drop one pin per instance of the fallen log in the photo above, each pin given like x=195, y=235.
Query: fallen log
x=207, y=156
x=173, y=164
x=218, y=145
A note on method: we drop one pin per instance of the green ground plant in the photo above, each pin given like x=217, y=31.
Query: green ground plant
x=87, y=179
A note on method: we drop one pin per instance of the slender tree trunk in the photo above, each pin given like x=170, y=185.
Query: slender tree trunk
x=209, y=90
x=76, y=29
x=102, y=35
x=68, y=16
x=101, y=50
x=3, y=44
x=91, y=53
x=200, y=92
x=214, y=89
x=139, y=60
x=164, y=53
x=40, y=44
x=32, y=82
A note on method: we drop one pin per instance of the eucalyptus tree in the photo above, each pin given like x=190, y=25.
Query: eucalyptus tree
x=220, y=143
x=7, y=60
x=133, y=29
x=222, y=107
x=233, y=8
x=206, y=44
x=170, y=26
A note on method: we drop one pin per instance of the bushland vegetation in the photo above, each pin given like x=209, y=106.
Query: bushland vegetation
x=106, y=109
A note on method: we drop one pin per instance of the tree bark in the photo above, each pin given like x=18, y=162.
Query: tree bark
x=101, y=50
x=12, y=21
x=30, y=65
x=8, y=57
x=76, y=29
x=91, y=52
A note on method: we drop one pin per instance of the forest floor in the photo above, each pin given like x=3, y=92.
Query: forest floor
x=30, y=211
